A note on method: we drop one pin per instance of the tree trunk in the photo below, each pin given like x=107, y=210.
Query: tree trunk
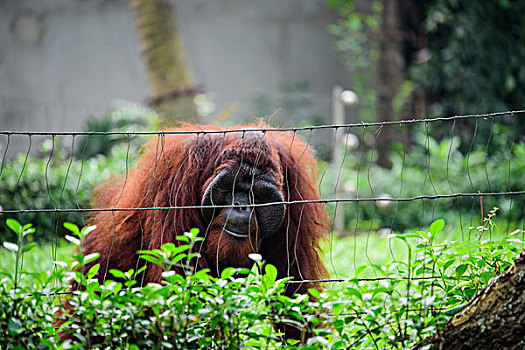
x=493, y=319
x=390, y=72
x=167, y=65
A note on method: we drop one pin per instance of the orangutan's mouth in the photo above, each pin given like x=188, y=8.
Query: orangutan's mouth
x=236, y=234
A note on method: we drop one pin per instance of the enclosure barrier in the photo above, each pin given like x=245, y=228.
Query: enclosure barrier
x=453, y=168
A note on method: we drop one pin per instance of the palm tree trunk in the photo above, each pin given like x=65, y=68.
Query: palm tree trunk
x=169, y=72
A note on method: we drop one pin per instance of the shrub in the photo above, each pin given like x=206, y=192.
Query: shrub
x=428, y=168
x=54, y=182
x=26, y=313
x=193, y=311
x=238, y=309
x=53, y=179
x=124, y=117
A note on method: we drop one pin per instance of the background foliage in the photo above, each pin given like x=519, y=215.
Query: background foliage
x=428, y=167
x=52, y=178
x=476, y=54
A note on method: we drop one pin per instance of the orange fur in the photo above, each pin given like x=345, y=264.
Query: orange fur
x=174, y=170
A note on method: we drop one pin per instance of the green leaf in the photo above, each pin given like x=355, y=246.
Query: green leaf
x=469, y=292
x=183, y=239
x=117, y=287
x=62, y=264
x=173, y=249
x=129, y=274
x=360, y=270
x=255, y=257
x=168, y=247
x=151, y=259
x=454, y=310
x=14, y=326
x=72, y=239
x=437, y=226
x=28, y=231
x=14, y=225
x=448, y=263
x=315, y=293
x=460, y=270
x=93, y=271
x=271, y=273
x=64, y=325
x=486, y=276
x=117, y=273
x=228, y=272
x=194, y=232
x=72, y=227
x=86, y=230
x=27, y=247
x=407, y=235
x=338, y=345
x=26, y=227
x=141, y=269
x=11, y=246
x=354, y=292
x=156, y=253
x=90, y=257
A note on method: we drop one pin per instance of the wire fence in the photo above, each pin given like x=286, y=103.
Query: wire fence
x=454, y=168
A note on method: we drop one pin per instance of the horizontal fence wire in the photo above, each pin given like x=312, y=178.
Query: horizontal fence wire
x=342, y=200
x=268, y=129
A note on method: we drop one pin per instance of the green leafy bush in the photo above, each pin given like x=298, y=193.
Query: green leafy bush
x=55, y=181
x=192, y=311
x=26, y=313
x=428, y=167
x=413, y=297
x=125, y=117
x=238, y=309
x=52, y=179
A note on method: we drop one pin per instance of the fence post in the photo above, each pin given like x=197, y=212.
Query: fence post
x=340, y=98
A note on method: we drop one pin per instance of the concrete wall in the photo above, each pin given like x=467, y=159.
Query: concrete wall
x=244, y=51
x=64, y=61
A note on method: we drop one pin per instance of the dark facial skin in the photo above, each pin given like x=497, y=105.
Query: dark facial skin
x=244, y=185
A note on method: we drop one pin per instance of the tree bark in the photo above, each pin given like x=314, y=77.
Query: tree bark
x=493, y=319
x=167, y=65
x=390, y=73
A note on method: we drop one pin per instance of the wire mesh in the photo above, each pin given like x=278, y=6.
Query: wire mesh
x=453, y=168
x=441, y=167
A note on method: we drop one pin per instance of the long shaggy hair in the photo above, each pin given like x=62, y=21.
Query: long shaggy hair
x=175, y=170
